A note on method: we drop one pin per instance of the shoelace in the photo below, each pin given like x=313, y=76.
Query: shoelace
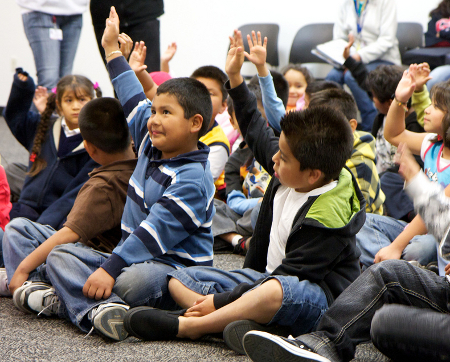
x=296, y=343
x=91, y=316
x=51, y=302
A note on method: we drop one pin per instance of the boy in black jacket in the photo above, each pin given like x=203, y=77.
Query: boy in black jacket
x=303, y=253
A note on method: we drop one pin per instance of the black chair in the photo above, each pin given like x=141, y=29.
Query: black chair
x=410, y=36
x=267, y=30
x=306, y=39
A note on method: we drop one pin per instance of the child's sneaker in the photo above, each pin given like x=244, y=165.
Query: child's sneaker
x=4, y=290
x=36, y=297
x=107, y=319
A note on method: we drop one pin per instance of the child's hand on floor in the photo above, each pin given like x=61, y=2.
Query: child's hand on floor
x=40, y=98
x=408, y=165
x=406, y=85
x=99, y=285
x=125, y=44
x=110, y=38
x=351, y=40
x=421, y=74
x=235, y=59
x=17, y=280
x=203, y=306
x=137, y=57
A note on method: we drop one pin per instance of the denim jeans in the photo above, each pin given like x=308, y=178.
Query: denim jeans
x=365, y=105
x=69, y=266
x=348, y=321
x=303, y=302
x=53, y=58
x=21, y=238
x=380, y=231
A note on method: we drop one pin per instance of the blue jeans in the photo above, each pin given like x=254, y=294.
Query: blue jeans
x=53, y=58
x=380, y=231
x=303, y=302
x=21, y=238
x=69, y=266
x=365, y=104
x=350, y=319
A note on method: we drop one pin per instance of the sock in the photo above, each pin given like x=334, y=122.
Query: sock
x=236, y=239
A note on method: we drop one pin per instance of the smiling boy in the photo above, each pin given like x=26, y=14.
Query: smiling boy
x=303, y=252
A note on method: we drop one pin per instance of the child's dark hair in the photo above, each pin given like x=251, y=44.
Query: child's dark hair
x=299, y=68
x=320, y=85
x=320, y=138
x=256, y=90
x=192, y=96
x=383, y=81
x=443, y=9
x=440, y=95
x=80, y=86
x=280, y=83
x=337, y=99
x=230, y=105
x=212, y=72
x=102, y=123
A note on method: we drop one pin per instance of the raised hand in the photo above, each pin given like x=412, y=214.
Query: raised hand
x=351, y=40
x=235, y=59
x=406, y=85
x=169, y=53
x=40, y=98
x=137, y=57
x=125, y=44
x=110, y=38
x=421, y=74
x=258, y=49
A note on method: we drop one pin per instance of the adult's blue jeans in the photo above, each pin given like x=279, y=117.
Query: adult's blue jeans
x=365, y=104
x=352, y=318
x=53, y=58
x=380, y=231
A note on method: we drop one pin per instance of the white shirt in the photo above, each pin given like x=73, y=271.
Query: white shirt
x=286, y=204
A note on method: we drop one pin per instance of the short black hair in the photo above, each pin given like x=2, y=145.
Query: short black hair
x=280, y=83
x=230, y=105
x=320, y=138
x=383, y=81
x=255, y=88
x=338, y=99
x=320, y=85
x=192, y=96
x=102, y=122
x=214, y=73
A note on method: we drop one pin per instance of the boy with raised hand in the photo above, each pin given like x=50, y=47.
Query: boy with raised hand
x=303, y=253
x=94, y=221
x=166, y=223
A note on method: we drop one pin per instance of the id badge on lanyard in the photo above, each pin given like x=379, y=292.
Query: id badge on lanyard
x=360, y=8
x=55, y=32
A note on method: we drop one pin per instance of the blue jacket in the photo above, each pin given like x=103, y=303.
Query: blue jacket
x=169, y=207
x=47, y=197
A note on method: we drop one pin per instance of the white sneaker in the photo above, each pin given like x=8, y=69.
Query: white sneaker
x=36, y=297
x=4, y=290
x=107, y=319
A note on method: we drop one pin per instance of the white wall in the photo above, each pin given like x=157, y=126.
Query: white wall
x=200, y=28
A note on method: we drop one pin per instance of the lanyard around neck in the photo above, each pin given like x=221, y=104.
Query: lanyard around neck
x=360, y=8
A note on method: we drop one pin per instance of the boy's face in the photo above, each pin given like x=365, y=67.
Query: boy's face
x=215, y=92
x=383, y=108
x=287, y=168
x=169, y=131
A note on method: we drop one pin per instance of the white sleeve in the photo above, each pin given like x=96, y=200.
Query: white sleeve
x=218, y=157
x=426, y=143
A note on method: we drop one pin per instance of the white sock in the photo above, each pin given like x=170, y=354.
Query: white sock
x=236, y=239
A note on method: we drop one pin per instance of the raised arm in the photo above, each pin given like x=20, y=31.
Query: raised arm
x=136, y=62
x=394, y=130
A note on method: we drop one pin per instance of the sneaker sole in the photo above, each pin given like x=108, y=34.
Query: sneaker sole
x=109, y=322
x=235, y=332
x=262, y=346
x=19, y=294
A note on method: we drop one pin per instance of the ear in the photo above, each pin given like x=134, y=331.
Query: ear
x=90, y=148
x=353, y=124
x=314, y=176
x=196, y=123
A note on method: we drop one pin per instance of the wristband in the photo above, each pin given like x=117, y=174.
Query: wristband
x=114, y=52
x=401, y=104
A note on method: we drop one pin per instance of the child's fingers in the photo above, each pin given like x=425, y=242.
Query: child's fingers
x=259, y=38
x=265, y=42
x=250, y=42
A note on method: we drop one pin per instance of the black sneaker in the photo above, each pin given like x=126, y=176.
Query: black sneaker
x=152, y=324
x=240, y=247
x=266, y=347
x=235, y=332
x=36, y=297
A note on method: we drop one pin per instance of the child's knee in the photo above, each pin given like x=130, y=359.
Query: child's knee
x=175, y=287
x=272, y=292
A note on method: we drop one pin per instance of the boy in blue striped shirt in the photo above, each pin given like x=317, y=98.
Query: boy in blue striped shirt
x=166, y=224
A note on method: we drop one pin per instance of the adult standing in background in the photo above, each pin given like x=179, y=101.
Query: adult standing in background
x=138, y=19
x=374, y=25
x=53, y=30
